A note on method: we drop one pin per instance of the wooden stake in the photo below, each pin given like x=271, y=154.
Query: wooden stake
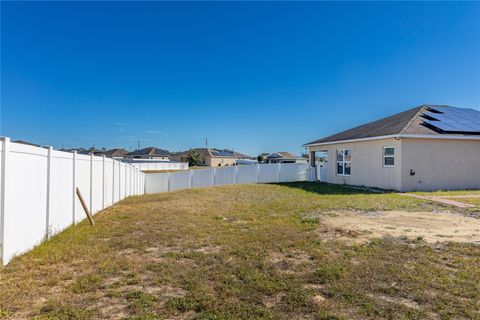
x=84, y=205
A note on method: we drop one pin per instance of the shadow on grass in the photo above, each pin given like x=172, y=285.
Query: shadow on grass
x=329, y=189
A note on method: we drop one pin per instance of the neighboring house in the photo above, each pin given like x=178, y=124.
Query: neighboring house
x=212, y=157
x=149, y=153
x=284, y=157
x=430, y=147
x=88, y=151
x=113, y=153
x=27, y=143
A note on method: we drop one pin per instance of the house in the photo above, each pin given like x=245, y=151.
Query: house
x=27, y=143
x=211, y=157
x=284, y=157
x=113, y=153
x=149, y=153
x=430, y=147
x=89, y=151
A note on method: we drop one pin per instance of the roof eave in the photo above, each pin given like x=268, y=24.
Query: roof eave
x=398, y=136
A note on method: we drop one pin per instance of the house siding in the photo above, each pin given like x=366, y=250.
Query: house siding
x=367, y=164
x=215, y=162
x=440, y=164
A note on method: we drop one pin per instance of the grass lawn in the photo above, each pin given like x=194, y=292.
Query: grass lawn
x=241, y=252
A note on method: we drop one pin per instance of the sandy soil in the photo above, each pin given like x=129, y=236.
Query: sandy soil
x=432, y=227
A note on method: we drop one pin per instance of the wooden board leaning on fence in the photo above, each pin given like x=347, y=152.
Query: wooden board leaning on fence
x=84, y=205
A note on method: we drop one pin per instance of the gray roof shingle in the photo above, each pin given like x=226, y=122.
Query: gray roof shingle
x=150, y=151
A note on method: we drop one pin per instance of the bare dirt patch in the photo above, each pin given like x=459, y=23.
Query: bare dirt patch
x=360, y=227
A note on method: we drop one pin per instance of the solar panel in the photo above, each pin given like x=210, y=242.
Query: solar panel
x=222, y=153
x=452, y=119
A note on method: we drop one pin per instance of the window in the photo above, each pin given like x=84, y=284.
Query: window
x=344, y=162
x=388, y=156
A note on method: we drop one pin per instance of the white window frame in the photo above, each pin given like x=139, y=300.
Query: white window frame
x=343, y=162
x=388, y=156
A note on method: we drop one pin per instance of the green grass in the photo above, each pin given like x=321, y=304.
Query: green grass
x=241, y=252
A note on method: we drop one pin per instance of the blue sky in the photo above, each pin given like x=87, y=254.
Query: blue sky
x=256, y=77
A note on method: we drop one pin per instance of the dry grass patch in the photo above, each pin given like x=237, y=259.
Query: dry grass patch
x=241, y=252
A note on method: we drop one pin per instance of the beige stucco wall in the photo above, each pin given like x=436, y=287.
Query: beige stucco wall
x=440, y=164
x=215, y=162
x=367, y=164
x=207, y=161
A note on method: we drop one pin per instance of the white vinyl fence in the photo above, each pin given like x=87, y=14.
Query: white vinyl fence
x=260, y=173
x=322, y=171
x=37, y=192
x=146, y=165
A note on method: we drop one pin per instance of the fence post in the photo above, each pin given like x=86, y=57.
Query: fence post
x=190, y=177
x=279, y=168
x=214, y=176
x=103, y=182
x=126, y=169
x=3, y=188
x=168, y=181
x=49, y=174
x=74, y=164
x=257, y=177
x=235, y=179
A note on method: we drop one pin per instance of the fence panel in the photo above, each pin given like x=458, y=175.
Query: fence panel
x=225, y=175
x=202, y=178
x=108, y=191
x=247, y=174
x=153, y=165
x=97, y=184
x=289, y=172
x=25, y=218
x=122, y=181
x=82, y=181
x=268, y=173
x=322, y=170
x=304, y=172
x=179, y=180
x=61, y=190
x=156, y=182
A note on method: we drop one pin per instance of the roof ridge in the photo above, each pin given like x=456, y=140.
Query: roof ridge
x=414, y=117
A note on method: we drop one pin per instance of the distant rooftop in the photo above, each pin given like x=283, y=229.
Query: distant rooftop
x=213, y=152
x=282, y=155
x=150, y=151
x=27, y=143
x=113, y=152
